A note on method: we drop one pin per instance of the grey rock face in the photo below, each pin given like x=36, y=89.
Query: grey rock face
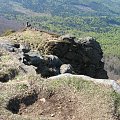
x=52, y=61
x=92, y=50
x=7, y=46
x=46, y=66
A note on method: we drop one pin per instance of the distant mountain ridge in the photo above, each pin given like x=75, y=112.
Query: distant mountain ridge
x=64, y=7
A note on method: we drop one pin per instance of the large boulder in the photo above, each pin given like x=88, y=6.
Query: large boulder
x=63, y=54
x=33, y=58
x=51, y=66
x=84, y=55
x=52, y=61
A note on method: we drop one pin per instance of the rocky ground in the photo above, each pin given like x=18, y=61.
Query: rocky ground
x=56, y=55
x=29, y=59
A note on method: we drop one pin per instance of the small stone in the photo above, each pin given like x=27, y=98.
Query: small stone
x=52, y=115
x=43, y=100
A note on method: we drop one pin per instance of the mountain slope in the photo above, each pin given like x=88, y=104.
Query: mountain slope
x=66, y=7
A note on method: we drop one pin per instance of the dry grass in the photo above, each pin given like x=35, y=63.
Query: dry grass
x=37, y=39
x=65, y=99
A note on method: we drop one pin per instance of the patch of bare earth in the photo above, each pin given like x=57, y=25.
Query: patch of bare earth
x=52, y=105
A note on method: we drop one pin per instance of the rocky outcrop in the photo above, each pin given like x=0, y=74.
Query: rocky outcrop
x=62, y=55
x=84, y=55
